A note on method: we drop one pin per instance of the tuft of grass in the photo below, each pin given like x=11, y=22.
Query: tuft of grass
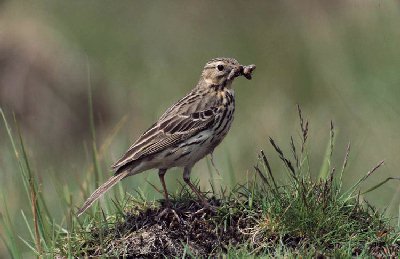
x=300, y=215
x=308, y=219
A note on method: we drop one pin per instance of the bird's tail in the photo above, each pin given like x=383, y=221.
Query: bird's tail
x=101, y=190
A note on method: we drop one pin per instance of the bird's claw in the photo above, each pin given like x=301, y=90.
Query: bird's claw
x=168, y=211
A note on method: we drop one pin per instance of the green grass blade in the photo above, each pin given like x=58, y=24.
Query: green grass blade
x=326, y=166
x=380, y=184
x=8, y=234
x=28, y=226
x=31, y=247
x=351, y=190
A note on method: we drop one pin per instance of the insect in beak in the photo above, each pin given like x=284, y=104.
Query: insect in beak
x=245, y=71
x=248, y=70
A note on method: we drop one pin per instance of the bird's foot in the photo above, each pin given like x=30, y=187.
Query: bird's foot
x=165, y=213
x=211, y=208
x=165, y=203
x=207, y=208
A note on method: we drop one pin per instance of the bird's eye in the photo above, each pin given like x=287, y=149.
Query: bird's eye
x=220, y=67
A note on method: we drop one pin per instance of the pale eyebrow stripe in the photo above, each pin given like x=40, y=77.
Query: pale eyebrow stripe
x=209, y=66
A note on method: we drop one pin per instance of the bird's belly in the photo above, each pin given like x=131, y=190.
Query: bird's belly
x=190, y=151
x=193, y=149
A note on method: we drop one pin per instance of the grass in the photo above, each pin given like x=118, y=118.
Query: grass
x=299, y=214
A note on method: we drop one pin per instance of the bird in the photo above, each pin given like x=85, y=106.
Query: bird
x=188, y=131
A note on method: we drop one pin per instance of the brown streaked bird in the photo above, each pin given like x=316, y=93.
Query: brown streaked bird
x=188, y=131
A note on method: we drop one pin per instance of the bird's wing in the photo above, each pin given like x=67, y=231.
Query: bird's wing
x=167, y=132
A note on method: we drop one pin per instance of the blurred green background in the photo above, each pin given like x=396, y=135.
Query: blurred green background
x=340, y=60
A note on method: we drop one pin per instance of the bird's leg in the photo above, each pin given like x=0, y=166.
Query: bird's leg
x=186, y=178
x=161, y=174
x=168, y=209
x=212, y=163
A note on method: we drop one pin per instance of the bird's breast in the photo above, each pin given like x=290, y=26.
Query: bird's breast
x=223, y=121
x=203, y=143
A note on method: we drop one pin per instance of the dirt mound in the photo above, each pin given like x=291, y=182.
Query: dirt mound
x=232, y=224
x=187, y=228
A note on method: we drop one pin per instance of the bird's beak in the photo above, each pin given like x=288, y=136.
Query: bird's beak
x=235, y=72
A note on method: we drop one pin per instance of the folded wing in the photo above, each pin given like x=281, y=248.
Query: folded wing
x=167, y=132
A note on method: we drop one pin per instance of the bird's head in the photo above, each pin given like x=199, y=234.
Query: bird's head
x=222, y=71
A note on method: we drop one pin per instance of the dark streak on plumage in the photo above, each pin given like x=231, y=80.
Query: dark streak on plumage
x=224, y=127
x=208, y=113
x=212, y=139
x=229, y=97
x=221, y=119
x=191, y=143
x=182, y=155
